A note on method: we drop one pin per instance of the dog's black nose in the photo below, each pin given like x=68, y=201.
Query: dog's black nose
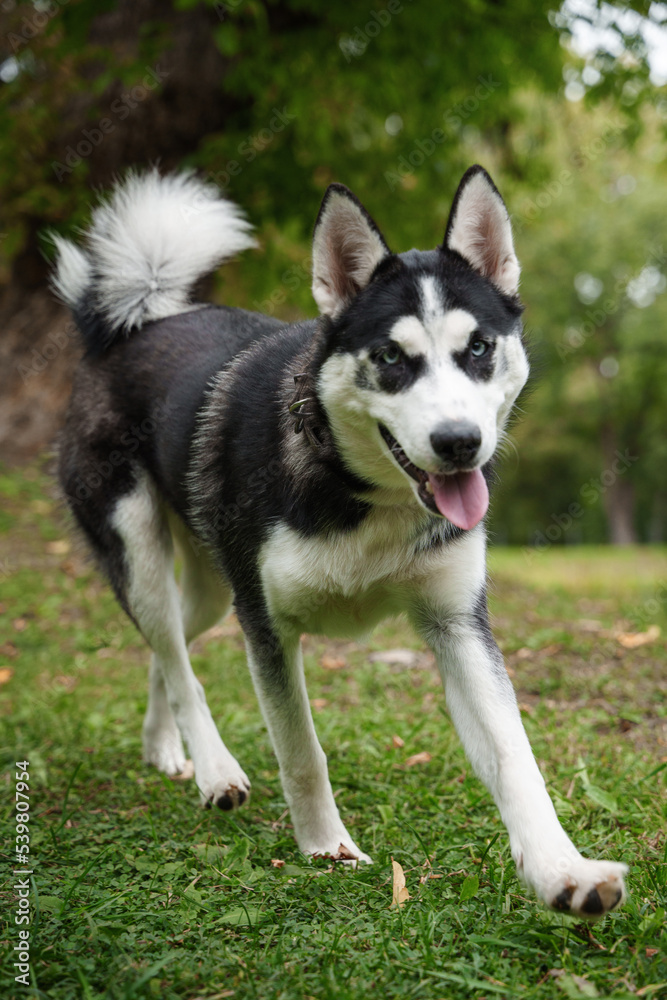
x=456, y=441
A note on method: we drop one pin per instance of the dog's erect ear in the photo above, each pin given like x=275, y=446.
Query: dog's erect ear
x=347, y=247
x=479, y=229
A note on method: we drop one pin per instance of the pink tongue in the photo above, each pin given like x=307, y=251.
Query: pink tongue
x=462, y=498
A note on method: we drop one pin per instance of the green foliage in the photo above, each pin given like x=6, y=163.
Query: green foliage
x=592, y=246
x=340, y=69
x=396, y=99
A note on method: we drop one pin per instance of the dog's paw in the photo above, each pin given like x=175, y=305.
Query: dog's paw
x=165, y=750
x=587, y=890
x=226, y=791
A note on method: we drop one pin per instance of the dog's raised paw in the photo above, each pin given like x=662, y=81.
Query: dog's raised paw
x=594, y=889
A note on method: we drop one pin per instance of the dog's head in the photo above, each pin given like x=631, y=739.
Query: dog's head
x=423, y=357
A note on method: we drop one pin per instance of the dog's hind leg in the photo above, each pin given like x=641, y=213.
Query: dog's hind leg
x=152, y=598
x=277, y=670
x=205, y=599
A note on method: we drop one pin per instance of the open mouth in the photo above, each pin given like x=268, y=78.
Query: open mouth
x=461, y=497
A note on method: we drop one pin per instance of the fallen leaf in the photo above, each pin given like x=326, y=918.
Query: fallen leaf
x=399, y=657
x=400, y=894
x=589, y=625
x=58, y=548
x=319, y=703
x=632, y=640
x=345, y=854
x=650, y=952
x=69, y=683
x=397, y=742
x=332, y=662
x=20, y=624
x=6, y=674
x=429, y=875
x=277, y=863
x=524, y=653
x=418, y=758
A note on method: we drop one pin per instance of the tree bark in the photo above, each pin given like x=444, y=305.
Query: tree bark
x=164, y=123
x=619, y=497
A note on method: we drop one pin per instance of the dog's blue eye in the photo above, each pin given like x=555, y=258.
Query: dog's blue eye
x=391, y=355
x=478, y=348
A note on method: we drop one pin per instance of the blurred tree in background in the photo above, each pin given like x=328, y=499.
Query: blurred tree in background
x=274, y=100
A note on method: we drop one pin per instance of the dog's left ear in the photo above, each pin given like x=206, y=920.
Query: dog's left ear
x=479, y=229
x=347, y=247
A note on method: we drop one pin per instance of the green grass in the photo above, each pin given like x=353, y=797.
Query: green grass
x=138, y=893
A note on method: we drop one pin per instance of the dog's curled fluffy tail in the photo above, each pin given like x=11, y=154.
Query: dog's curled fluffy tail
x=146, y=248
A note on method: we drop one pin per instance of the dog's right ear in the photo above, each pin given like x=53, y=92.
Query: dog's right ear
x=347, y=247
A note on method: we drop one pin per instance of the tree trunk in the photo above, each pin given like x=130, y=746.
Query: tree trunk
x=38, y=345
x=620, y=508
x=619, y=496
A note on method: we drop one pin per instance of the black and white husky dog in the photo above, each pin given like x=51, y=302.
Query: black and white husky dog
x=181, y=431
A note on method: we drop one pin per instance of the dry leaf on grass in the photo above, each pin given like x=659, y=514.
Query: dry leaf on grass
x=332, y=662
x=397, y=742
x=632, y=640
x=6, y=673
x=399, y=657
x=590, y=625
x=418, y=758
x=400, y=894
x=343, y=854
x=319, y=703
x=68, y=683
x=277, y=863
x=58, y=548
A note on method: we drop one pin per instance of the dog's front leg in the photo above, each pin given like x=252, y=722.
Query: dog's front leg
x=483, y=707
x=277, y=670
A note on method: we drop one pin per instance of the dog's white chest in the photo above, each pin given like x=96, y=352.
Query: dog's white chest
x=337, y=585
x=346, y=584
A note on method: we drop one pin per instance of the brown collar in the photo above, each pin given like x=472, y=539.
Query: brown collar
x=304, y=408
